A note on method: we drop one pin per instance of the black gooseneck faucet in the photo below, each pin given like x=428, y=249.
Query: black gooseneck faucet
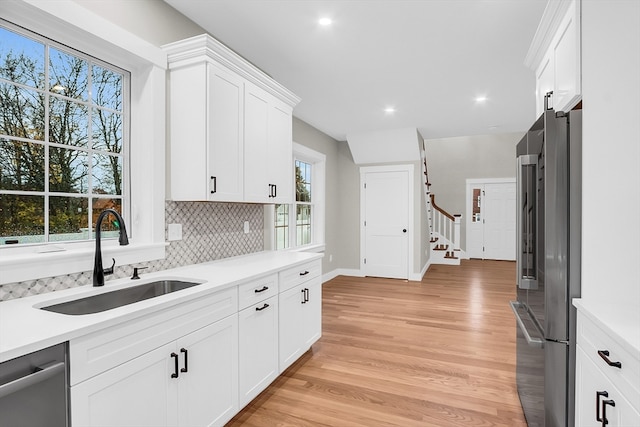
x=98, y=271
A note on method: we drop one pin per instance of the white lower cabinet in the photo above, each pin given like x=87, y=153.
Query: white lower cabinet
x=300, y=320
x=189, y=382
x=199, y=362
x=598, y=399
x=258, y=348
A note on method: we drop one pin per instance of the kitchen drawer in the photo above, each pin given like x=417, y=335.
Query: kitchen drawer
x=591, y=339
x=300, y=274
x=257, y=290
x=103, y=350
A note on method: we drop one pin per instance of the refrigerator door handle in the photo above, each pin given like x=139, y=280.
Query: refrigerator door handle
x=533, y=342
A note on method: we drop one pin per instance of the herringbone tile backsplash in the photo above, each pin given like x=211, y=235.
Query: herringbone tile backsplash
x=210, y=231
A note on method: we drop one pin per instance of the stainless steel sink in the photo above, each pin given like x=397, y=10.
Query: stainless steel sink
x=113, y=299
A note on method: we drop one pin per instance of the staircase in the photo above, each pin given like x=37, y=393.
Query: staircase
x=444, y=228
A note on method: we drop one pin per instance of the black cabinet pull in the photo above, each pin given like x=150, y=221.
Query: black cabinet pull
x=304, y=297
x=275, y=190
x=306, y=294
x=264, y=288
x=604, y=354
x=263, y=307
x=404, y=230
x=175, y=365
x=605, y=421
x=272, y=192
x=215, y=184
x=304, y=273
x=186, y=356
x=599, y=394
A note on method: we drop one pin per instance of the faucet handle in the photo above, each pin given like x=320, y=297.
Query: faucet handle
x=135, y=272
x=109, y=270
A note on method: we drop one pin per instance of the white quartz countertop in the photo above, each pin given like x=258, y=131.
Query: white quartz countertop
x=25, y=328
x=621, y=322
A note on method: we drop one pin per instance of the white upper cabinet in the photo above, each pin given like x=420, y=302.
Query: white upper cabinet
x=268, y=148
x=230, y=127
x=205, y=107
x=554, y=55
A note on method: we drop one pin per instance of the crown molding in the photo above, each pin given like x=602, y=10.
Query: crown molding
x=552, y=16
x=206, y=48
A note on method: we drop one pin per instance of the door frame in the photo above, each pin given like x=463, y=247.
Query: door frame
x=409, y=168
x=468, y=208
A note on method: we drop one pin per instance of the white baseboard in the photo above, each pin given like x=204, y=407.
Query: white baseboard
x=341, y=272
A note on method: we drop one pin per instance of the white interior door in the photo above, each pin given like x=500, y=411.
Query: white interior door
x=491, y=219
x=386, y=199
x=500, y=221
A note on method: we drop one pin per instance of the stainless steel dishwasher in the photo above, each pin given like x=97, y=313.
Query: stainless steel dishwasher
x=33, y=389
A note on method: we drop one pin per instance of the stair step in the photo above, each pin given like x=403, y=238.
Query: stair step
x=441, y=247
x=450, y=255
x=433, y=240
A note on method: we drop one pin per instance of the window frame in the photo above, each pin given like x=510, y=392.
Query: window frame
x=317, y=161
x=68, y=23
x=90, y=196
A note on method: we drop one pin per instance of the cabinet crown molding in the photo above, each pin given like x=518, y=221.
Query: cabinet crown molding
x=549, y=24
x=206, y=48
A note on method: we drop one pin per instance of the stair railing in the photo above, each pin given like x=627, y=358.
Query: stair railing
x=445, y=224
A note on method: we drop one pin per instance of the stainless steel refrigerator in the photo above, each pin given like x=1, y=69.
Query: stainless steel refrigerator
x=548, y=266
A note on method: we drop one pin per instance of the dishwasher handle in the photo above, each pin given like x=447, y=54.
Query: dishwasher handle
x=42, y=374
x=533, y=342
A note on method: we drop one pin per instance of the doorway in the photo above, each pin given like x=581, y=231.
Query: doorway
x=491, y=218
x=386, y=212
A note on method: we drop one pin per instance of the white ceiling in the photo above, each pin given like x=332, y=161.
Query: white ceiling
x=427, y=58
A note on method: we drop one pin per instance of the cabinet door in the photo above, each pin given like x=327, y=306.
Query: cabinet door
x=566, y=57
x=312, y=313
x=256, y=120
x=291, y=328
x=140, y=392
x=280, y=152
x=208, y=381
x=225, y=136
x=258, y=348
x=591, y=380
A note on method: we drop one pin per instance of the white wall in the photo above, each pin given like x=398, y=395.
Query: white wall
x=611, y=151
x=451, y=161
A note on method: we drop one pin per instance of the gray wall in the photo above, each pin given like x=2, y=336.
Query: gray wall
x=451, y=161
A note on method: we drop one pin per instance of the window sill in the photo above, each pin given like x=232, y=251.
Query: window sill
x=67, y=259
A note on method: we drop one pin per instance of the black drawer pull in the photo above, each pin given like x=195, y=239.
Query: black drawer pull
x=263, y=307
x=175, y=365
x=599, y=394
x=304, y=273
x=264, y=288
x=604, y=354
x=304, y=296
x=605, y=421
x=186, y=355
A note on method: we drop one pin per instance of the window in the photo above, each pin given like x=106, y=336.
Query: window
x=302, y=223
x=63, y=140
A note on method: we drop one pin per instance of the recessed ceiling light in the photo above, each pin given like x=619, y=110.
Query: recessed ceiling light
x=480, y=99
x=325, y=22
x=390, y=110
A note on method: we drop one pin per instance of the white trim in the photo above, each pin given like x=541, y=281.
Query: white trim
x=549, y=24
x=193, y=49
x=351, y=272
x=409, y=168
x=67, y=22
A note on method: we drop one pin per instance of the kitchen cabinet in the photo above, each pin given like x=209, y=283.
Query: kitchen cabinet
x=206, y=106
x=555, y=56
x=268, y=148
x=300, y=312
x=607, y=377
x=258, y=348
x=230, y=127
x=190, y=379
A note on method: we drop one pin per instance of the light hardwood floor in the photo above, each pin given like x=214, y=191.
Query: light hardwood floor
x=440, y=352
